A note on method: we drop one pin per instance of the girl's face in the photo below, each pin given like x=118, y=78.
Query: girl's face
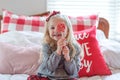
x=53, y=28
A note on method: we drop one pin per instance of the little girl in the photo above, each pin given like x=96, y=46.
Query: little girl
x=60, y=49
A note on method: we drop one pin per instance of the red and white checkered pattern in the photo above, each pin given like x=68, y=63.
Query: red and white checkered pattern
x=84, y=22
x=13, y=22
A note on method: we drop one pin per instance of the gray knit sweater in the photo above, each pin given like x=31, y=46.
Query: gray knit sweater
x=55, y=66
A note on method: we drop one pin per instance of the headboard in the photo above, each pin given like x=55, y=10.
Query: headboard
x=102, y=25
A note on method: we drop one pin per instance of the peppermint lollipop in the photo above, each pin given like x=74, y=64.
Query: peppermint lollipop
x=61, y=28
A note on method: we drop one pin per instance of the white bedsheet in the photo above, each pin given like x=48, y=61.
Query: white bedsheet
x=114, y=76
x=13, y=77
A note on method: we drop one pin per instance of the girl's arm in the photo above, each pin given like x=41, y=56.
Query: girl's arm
x=50, y=61
x=73, y=66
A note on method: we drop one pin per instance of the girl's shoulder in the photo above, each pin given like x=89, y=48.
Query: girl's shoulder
x=45, y=46
x=77, y=46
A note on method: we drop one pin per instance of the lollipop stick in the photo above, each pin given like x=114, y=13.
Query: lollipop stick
x=62, y=33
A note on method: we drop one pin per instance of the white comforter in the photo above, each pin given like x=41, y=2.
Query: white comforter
x=13, y=77
x=35, y=38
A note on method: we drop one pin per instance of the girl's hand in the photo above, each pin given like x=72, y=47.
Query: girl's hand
x=65, y=52
x=60, y=44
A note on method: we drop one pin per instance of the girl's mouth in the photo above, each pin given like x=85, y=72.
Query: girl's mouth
x=57, y=35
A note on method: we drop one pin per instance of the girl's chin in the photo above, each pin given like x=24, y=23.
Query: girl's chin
x=56, y=39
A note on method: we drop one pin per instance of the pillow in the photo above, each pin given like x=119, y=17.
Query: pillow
x=84, y=22
x=100, y=35
x=19, y=60
x=111, y=52
x=93, y=62
x=14, y=22
x=110, y=49
x=25, y=39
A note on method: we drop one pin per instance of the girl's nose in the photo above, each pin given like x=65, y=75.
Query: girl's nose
x=55, y=29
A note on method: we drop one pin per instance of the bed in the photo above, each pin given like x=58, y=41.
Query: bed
x=26, y=45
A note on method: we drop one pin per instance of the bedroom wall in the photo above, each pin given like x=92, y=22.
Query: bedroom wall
x=26, y=7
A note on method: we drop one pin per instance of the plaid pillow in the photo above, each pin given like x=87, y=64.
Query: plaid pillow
x=84, y=22
x=14, y=22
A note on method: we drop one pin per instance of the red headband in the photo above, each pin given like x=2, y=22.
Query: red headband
x=52, y=14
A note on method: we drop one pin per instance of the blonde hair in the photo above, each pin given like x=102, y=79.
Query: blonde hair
x=70, y=37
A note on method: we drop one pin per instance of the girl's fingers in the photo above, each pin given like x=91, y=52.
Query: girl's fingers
x=65, y=49
x=62, y=42
x=63, y=39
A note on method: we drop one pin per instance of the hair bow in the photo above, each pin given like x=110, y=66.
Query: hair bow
x=52, y=14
